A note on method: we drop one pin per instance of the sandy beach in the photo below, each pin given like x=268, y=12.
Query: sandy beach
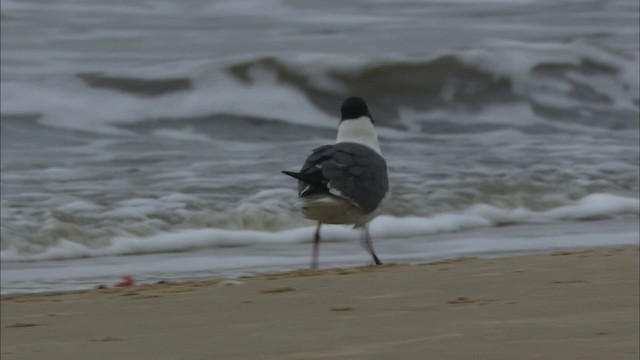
x=580, y=304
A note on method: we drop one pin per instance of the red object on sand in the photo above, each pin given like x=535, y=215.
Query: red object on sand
x=126, y=281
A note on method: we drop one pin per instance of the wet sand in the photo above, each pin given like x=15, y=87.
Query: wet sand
x=579, y=304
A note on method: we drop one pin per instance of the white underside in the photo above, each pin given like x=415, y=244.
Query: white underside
x=329, y=209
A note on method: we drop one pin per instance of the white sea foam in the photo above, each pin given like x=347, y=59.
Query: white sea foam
x=595, y=206
x=232, y=262
x=388, y=227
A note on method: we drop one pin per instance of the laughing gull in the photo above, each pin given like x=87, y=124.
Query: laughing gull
x=345, y=183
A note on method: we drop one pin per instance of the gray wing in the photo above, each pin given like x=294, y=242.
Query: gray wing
x=349, y=170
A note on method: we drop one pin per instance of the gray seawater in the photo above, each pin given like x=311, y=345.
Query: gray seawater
x=161, y=127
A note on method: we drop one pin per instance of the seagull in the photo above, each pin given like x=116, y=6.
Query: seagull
x=346, y=182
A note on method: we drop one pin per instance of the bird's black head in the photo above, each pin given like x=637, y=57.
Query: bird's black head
x=353, y=108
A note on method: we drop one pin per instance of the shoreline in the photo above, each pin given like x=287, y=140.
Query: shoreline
x=547, y=305
x=87, y=273
x=305, y=271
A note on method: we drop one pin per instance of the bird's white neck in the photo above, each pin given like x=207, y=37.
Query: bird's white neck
x=360, y=131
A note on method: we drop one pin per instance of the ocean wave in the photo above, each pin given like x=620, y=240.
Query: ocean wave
x=144, y=87
x=592, y=207
x=573, y=83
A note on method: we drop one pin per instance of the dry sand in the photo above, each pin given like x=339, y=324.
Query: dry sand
x=565, y=305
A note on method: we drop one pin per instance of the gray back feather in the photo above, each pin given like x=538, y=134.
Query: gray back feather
x=356, y=171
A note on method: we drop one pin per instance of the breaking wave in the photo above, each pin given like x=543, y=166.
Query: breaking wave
x=557, y=84
x=70, y=244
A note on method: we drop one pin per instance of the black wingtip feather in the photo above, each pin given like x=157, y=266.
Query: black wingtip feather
x=292, y=174
x=305, y=178
x=309, y=183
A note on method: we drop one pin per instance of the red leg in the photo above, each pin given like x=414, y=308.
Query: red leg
x=316, y=245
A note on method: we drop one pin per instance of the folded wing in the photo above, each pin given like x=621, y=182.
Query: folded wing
x=348, y=170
